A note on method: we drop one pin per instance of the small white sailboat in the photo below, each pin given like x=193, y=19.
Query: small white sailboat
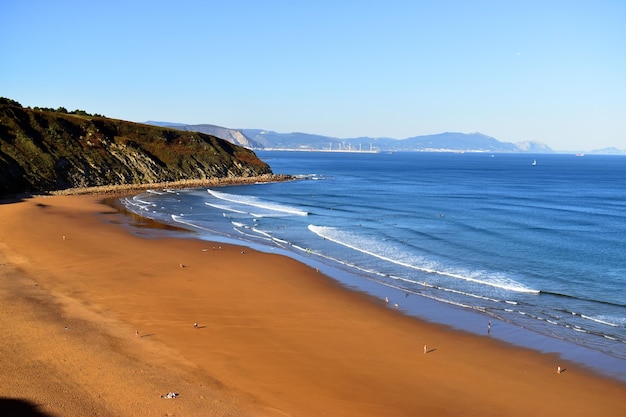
x=534, y=162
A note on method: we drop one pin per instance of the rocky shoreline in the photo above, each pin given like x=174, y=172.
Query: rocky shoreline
x=195, y=183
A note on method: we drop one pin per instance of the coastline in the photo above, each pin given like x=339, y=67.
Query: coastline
x=275, y=336
x=126, y=189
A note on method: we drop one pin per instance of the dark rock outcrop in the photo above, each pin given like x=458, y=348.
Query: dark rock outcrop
x=52, y=150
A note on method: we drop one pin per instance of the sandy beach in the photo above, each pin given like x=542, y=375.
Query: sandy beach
x=100, y=321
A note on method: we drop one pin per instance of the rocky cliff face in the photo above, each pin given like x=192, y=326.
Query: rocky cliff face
x=45, y=150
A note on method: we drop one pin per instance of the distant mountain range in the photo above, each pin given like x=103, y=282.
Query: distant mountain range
x=442, y=142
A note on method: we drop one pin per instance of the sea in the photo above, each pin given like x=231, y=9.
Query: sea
x=529, y=249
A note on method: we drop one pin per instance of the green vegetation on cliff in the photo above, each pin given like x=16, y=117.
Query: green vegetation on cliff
x=45, y=150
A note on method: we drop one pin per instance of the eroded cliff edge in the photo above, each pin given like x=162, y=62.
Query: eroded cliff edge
x=43, y=150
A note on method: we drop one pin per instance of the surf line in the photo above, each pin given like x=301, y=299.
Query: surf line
x=258, y=203
x=313, y=228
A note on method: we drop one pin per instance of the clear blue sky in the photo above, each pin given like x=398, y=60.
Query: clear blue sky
x=547, y=71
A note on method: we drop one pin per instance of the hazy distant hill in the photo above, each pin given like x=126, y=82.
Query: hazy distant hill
x=449, y=141
x=294, y=140
x=442, y=142
x=533, y=147
x=46, y=149
x=608, y=151
x=232, y=135
x=457, y=142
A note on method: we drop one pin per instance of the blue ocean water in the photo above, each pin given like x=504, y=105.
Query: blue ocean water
x=534, y=246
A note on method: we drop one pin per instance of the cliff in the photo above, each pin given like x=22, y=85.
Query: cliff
x=44, y=150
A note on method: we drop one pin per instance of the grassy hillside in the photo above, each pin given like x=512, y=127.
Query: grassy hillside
x=43, y=150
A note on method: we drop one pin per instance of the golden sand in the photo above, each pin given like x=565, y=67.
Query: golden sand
x=274, y=336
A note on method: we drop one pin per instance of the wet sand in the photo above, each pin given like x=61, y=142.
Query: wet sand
x=274, y=337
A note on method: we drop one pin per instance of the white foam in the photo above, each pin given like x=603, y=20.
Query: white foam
x=373, y=248
x=602, y=320
x=258, y=203
x=578, y=329
x=226, y=208
x=261, y=232
x=156, y=192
